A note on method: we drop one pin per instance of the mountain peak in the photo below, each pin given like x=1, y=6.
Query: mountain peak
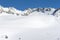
x=26, y=12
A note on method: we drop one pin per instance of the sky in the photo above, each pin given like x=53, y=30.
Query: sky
x=23, y=4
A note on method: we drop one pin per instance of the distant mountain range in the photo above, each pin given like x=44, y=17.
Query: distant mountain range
x=26, y=12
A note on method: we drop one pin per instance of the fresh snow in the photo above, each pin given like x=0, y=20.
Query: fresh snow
x=34, y=26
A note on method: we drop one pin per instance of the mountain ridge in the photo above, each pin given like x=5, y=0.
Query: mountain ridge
x=26, y=12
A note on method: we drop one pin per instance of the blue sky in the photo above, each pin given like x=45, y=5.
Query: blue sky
x=23, y=4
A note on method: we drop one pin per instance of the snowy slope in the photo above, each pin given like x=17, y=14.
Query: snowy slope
x=30, y=24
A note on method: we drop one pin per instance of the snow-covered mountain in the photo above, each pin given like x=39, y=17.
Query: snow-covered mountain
x=30, y=24
x=26, y=12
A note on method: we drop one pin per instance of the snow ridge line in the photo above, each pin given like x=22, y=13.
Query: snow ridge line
x=47, y=11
